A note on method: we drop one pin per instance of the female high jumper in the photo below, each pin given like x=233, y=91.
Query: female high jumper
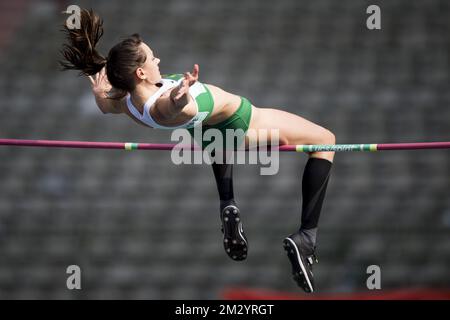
x=128, y=81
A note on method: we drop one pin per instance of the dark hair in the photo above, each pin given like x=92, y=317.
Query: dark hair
x=80, y=53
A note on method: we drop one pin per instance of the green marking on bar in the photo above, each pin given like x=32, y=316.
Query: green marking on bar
x=131, y=146
x=338, y=147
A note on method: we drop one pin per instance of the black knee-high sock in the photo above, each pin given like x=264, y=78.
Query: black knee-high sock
x=224, y=180
x=314, y=185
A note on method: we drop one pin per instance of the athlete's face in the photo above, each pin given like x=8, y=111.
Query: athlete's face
x=150, y=70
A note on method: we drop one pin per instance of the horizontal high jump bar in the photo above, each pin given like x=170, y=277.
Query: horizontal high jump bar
x=283, y=148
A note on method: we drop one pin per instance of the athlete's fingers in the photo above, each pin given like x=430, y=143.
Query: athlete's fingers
x=191, y=77
x=179, y=94
x=184, y=82
x=92, y=80
x=185, y=86
x=187, y=78
x=195, y=71
x=182, y=90
x=103, y=75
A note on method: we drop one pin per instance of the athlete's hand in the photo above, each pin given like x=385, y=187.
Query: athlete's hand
x=102, y=88
x=100, y=84
x=189, y=80
x=192, y=77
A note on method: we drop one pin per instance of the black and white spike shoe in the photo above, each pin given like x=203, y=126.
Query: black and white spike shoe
x=302, y=258
x=234, y=239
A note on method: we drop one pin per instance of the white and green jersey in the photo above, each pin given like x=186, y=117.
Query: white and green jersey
x=198, y=91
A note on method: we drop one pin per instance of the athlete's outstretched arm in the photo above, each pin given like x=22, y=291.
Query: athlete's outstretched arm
x=104, y=94
x=179, y=97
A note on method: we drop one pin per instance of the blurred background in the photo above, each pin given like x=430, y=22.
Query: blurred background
x=141, y=227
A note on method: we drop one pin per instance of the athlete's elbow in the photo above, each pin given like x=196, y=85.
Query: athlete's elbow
x=104, y=111
x=103, y=108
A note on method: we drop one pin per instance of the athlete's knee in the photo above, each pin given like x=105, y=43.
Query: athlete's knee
x=327, y=137
x=331, y=137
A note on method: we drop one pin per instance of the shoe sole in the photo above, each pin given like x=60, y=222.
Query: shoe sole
x=234, y=240
x=298, y=265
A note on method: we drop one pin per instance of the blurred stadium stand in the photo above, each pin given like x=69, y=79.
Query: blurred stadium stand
x=140, y=227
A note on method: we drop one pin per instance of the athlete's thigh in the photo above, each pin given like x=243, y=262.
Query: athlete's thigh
x=293, y=129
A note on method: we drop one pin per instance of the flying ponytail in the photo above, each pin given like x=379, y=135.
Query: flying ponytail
x=123, y=59
x=80, y=53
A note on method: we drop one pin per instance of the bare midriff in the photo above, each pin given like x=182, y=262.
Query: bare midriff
x=225, y=104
